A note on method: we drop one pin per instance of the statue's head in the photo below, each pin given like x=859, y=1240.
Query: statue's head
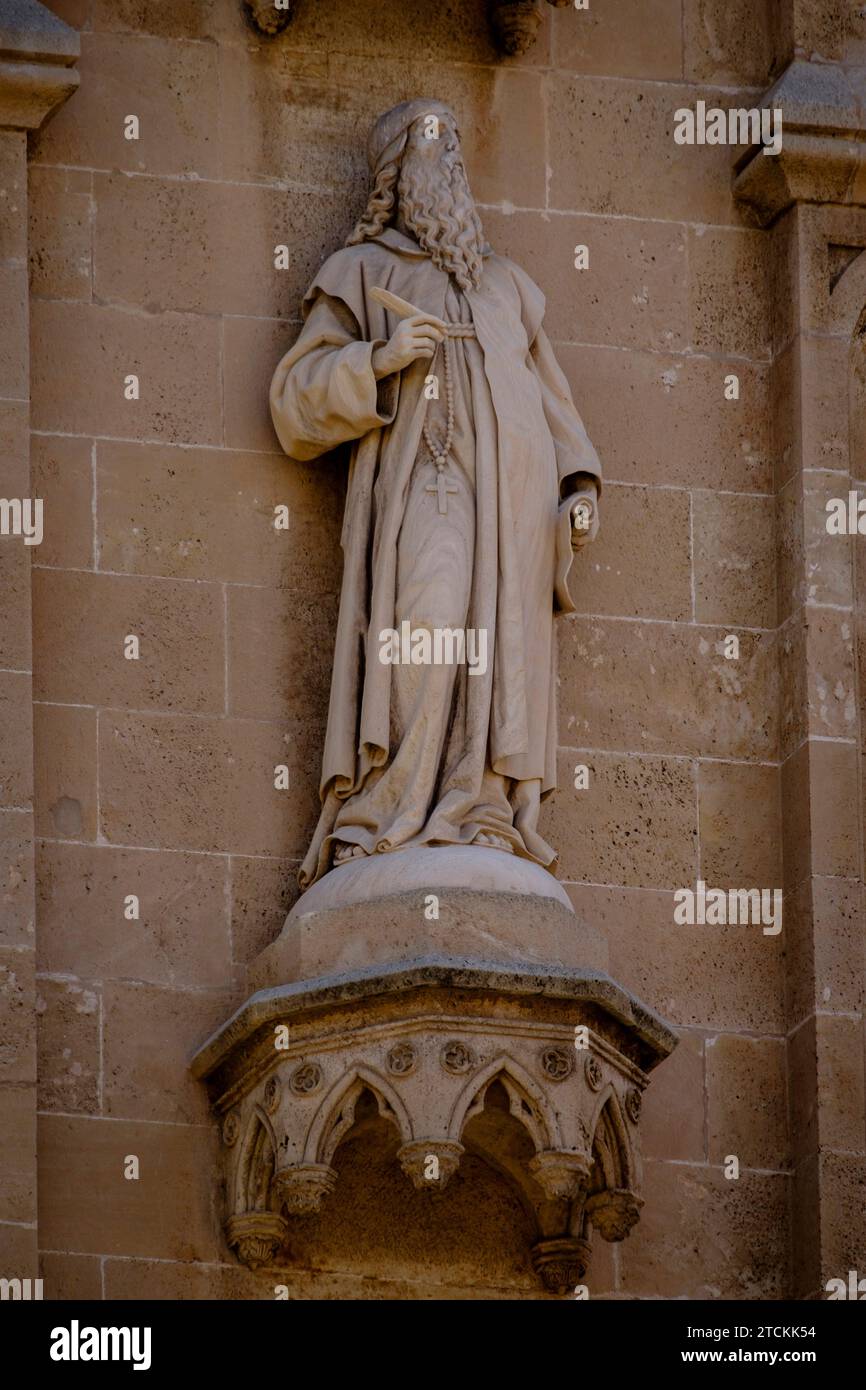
x=420, y=185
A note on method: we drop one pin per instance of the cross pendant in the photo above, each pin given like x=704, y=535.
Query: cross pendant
x=442, y=487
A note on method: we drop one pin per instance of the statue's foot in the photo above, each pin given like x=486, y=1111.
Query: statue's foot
x=494, y=841
x=343, y=852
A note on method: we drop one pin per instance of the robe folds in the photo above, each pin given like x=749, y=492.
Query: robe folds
x=436, y=756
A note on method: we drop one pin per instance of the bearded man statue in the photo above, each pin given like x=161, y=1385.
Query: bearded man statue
x=471, y=485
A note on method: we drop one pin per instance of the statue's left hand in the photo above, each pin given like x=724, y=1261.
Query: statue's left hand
x=583, y=507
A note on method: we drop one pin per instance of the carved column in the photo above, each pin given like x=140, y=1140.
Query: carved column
x=37, y=53
x=812, y=201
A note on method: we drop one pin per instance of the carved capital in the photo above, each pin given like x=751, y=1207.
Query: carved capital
x=302, y=1187
x=430, y=1162
x=269, y=17
x=561, y=1176
x=256, y=1236
x=613, y=1213
x=561, y=1263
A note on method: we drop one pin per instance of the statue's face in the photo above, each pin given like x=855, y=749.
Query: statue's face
x=435, y=202
x=432, y=149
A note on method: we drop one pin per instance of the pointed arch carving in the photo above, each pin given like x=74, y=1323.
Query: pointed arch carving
x=527, y=1102
x=336, y=1114
x=255, y=1165
x=611, y=1146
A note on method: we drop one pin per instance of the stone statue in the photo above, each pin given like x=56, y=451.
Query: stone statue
x=472, y=483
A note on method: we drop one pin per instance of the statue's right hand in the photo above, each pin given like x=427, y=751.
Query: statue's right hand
x=417, y=336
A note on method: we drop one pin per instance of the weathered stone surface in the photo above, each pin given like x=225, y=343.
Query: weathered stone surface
x=612, y=830
x=740, y=824
x=180, y=937
x=166, y=1213
x=515, y=928
x=70, y=1041
x=83, y=624
x=743, y=1225
x=65, y=751
x=218, y=803
x=17, y=1019
x=747, y=1115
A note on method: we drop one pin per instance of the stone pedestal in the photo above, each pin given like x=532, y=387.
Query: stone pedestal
x=480, y=1030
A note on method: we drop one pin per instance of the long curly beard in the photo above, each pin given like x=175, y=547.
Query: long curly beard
x=439, y=210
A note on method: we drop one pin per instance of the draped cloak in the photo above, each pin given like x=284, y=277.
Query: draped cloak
x=528, y=443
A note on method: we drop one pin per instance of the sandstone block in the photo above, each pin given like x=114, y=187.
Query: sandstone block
x=172, y=88
x=16, y=877
x=740, y=825
x=632, y=39
x=70, y=1068
x=746, y=1105
x=735, y=571
x=17, y=1154
x=149, y=1035
x=60, y=212
x=83, y=622
x=729, y=290
x=62, y=471
x=87, y=1206
x=180, y=937
x=632, y=295
x=221, y=776
x=83, y=353
x=17, y=1017
x=662, y=418
x=16, y=746
x=613, y=830
x=667, y=688
x=203, y=514
x=65, y=752
x=655, y=582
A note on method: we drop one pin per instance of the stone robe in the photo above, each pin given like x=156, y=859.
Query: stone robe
x=431, y=755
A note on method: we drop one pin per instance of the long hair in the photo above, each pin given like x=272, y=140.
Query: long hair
x=439, y=209
x=380, y=207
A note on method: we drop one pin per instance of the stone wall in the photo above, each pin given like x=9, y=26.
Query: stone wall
x=154, y=777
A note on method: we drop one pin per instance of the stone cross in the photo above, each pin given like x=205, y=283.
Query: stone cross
x=442, y=487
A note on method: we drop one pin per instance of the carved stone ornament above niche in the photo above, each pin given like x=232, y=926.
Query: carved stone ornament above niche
x=514, y=23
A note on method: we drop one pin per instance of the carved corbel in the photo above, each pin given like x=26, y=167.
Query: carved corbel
x=256, y=1236
x=561, y=1263
x=613, y=1212
x=302, y=1187
x=455, y=1059
x=514, y=24
x=429, y=1163
x=561, y=1176
x=269, y=17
